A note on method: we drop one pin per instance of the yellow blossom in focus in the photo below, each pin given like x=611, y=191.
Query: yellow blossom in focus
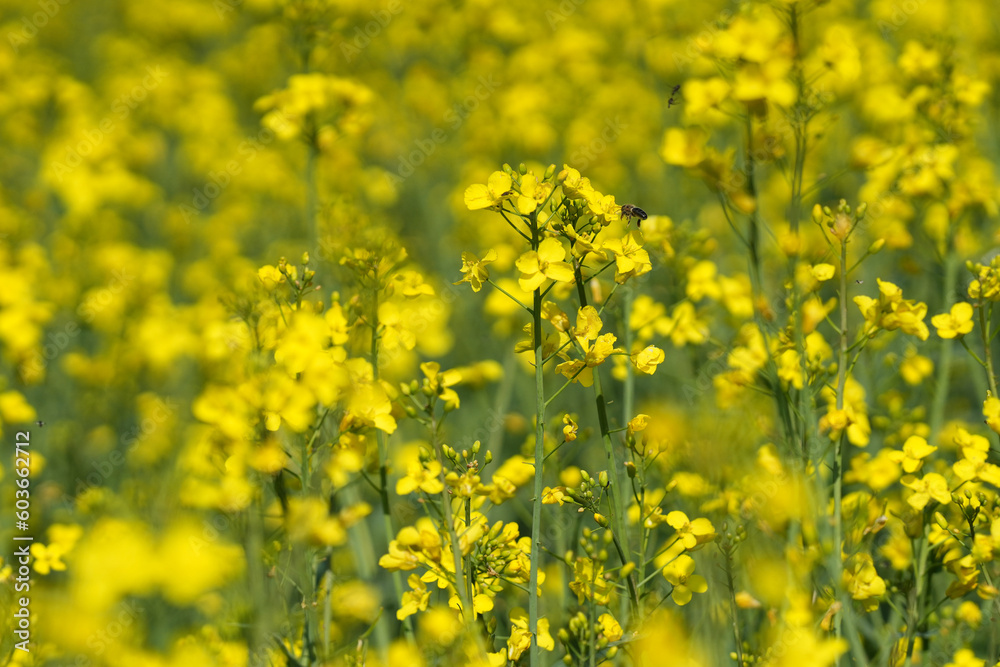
x=570, y=428
x=648, y=359
x=520, y=637
x=931, y=486
x=680, y=573
x=691, y=533
x=415, y=599
x=532, y=194
x=957, y=322
x=425, y=477
x=631, y=260
x=545, y=263
x=862, y=581
x=610, y=627
x=915, y=449
x=475, y=269
x=492, y=194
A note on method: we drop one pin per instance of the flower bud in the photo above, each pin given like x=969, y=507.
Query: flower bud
x=522, y=168
x=601, y=520
x=630, y=469
x=603, y=479
x=876, y=246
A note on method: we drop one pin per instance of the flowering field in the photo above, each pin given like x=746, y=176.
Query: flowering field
x=417, y=333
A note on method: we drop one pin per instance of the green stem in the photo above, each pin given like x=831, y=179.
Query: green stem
x=448, y=518
x=733, y=608
x=308, y=584
x=539, y=459
x=944, y=361
x=615, y=475
x=629, y=397
x=838, y=468
x=984, y=326
x=916, y=594
x=382, y=626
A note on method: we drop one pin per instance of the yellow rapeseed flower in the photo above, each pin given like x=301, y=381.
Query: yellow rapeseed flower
x=545, y=263
x=479, y=196
x=957, y=322
x=475, y=269
x=681, y=574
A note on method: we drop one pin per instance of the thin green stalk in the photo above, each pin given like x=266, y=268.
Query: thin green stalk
x=757, y=282
x=941, y=386
x=984, y=326
x=837, y=573
x=619, y=526
x=733, y=608
x=753, y=236
x=628, y=409
x=838, y=469
x=539, y=459
x=629, y=392
x=913, y=607
x=448, y=518
x=255, y=573
x=382, y=627
x=592, y=636
x=308, y=584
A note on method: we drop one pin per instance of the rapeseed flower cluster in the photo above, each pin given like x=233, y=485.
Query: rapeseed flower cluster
x=313, y=376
